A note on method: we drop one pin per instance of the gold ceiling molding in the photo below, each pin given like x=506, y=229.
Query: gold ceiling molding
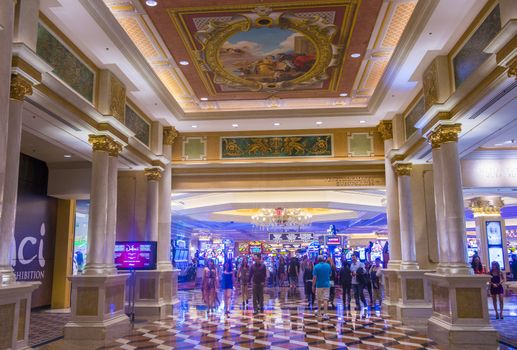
x=315, y=29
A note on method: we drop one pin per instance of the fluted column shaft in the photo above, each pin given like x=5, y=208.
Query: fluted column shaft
x=151, y=223
x=111, y=219
x=6, y=42
x=19, y=89
x=392, y=205
x=443, y=244
x=96, y=257
x=407, y=232
x=446, y=136
x=164, y=216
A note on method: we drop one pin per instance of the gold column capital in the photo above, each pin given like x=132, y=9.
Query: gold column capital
x=169, y=135
x=486, y=206
x=385, y=128
x=445, y=133
x=20, y=87
x=100, y=142
x=512, y=68
x=403, y=169
x=115, y=148
x=152, y=174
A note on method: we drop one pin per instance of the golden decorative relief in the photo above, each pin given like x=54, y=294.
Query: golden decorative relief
x=115, y=149
x=169, y=135
x=486, y=207
x=153, y=174
x=118, y=99
x=353, y=181
x=403, y=169
x=445, y=133
x=430, y=84
x=512, y=68
x=100, y=142
x=20, y=87
x=385, y=128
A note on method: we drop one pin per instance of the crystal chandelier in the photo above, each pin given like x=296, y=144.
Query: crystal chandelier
x=281, y=218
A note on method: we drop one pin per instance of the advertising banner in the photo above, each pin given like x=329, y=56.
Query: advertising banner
x=291, y=237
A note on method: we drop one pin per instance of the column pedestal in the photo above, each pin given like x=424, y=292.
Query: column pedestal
x=414, y=305
x=15, y=309
x=391, y=291
x=460, y=318
x=97, y=307
x=156, y=291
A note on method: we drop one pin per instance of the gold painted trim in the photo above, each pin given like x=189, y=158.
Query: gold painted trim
x=18, y=62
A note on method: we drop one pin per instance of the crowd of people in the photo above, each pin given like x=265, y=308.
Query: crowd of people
x=320, y=278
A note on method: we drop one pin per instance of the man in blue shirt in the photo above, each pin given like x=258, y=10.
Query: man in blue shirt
x=321, y=285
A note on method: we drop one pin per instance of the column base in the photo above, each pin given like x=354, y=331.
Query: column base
x=414, y=305
x=392, y=291
x=155, y=292
x=97, y=307
x=460, y=318
x=409, y=265
x=15, y=308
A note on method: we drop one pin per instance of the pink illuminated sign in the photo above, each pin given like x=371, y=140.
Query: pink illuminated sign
x=135, y=255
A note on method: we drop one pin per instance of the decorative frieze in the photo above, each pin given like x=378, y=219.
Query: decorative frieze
x=483, y=206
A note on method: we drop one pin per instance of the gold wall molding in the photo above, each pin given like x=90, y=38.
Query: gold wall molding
x=385, y=128
x=403, y=169
x=20, y=87
x=169, y=135
x=101, y=143
x=152, y=174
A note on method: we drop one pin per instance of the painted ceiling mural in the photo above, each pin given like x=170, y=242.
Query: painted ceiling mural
x=264, y=54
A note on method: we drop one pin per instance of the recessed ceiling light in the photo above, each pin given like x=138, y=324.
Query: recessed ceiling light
x=235, y=125
x=183, y=63
x=362, y=121
x=319, y=123
x=355, y=55
x=194, y=126
x=343, y=94
x=67, y=156
x=151, y=2
x=276, y=124
x=204, y=98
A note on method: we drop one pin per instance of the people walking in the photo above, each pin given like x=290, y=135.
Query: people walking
x=307, y=280
x=208, y=285
x=321, y=286
x=345, y=278
x=258, y=278
x=243, y=275
x=333, y=279
x=367, y=283
x=496, y=288
x=227, y=284
x=281, y=271
x=357, y=269
x=376, y=280
x=294, y=270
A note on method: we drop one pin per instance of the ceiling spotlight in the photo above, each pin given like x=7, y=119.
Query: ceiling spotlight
x=319, y=123
x=235, y=125
x=67, y=156
x=183, y=63
x=151, y=3
x=204, y=98
x=362, y=121
x=276, y=124
x=194, y=126
x=355, y=55
x=343, y=94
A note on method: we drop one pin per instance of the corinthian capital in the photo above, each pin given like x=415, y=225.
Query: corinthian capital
x=169, y=135
x=20, y=87
x=100, y=142
x=152, y=174
x=385, y=128
x=403, y=169
x=445, y=133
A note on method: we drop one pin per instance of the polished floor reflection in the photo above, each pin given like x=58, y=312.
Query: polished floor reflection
x=287, y=323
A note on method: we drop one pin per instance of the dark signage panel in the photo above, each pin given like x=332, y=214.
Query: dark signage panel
x=135, y=255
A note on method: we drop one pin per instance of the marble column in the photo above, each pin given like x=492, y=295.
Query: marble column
x=95, y=259
x=20, y=88
x=151, y=222
x=111, y=220
x=443, y=244
x=407, y=232
x=392, y=206
x=164, y=215
x=6, y=46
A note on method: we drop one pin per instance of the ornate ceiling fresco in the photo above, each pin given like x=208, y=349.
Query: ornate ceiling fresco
x=263, y=55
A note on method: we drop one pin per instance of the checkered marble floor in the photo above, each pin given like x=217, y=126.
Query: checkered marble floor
x=287, y=323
